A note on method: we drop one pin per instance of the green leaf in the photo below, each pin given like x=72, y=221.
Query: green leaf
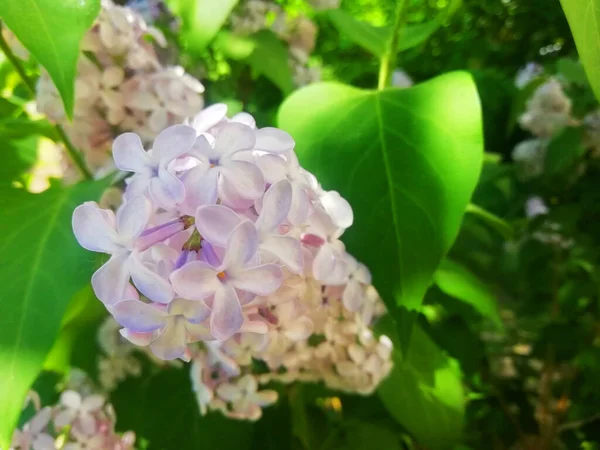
x=201, y=20
x=51, y=30
x=424, y=392
x=43, y=267
x=564, y=149
x=584, y=19
x=572, y=71
x=367, y=436
x=163, y=411
x=20, y=128
x=457, y=281
x=18, y=155
x=371, y=38
x=407, y=160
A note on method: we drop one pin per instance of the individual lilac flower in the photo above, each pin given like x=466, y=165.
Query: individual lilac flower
x=152, y=174
x=245, y=398
x=173, y=328
x=198, y=280
x=277, y=167
x=33, y=435
x=98, y=230
x=216, y=222
x=79, y=412
x=358, y=279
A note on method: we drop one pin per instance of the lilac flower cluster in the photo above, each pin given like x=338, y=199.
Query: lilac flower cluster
x=120, y=86
x=76, y=422
x=224, y=240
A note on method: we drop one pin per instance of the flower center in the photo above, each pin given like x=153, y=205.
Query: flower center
x=222, y=276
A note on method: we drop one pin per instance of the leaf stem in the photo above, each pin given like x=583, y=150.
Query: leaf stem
x=388, y=60
x=74, y=154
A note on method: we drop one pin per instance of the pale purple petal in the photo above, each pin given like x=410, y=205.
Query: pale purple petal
x=338, y=208
x=71, y=399
x=149, y=283
x=93, y=403
x=129, y=154
x=353, y=296
x=86, y=424
x=273, y=167
x=139, y=339
x=204, y=151
x=173, y=142
x=209, y=117
x=40, y=420
x=200, y=185
x=275, y=206
x=65, y=417
x=171, y=343
x=195, y=281
x=261, y=280
x=230, y=197
x=226, y=317
x=273, y=140
x=92, y=231
x=43, y=442
x=241, y=246
x=111, y=280
x=137, y=185
x=215, y=223
x=300, y=206
x=324, y=263
x=198, y=332
x=245, y=178
x=245, y=118
x=166, y=189
x=132, y=218
x=285, y=248
x=193, y=310
x=138, y=316
x=234, y=137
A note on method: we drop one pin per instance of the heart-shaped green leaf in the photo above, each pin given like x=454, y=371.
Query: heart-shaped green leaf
x=42, y=267
x=407, y=160
x=51, y=30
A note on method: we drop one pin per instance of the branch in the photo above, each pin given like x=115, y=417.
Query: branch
x=388, y=60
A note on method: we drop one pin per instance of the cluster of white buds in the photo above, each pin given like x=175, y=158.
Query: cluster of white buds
x=120, y=86
x=529, y=156
x=299, y=32
x=548, y=110
x=75, y=422
x=224, y=239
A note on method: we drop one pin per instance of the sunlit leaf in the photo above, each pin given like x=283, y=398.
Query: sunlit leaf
x=424, y=392
x=407, y=160
x=584, y=19
x=371, y=38
x=42, y=267
x=201, y=20
x=51, y=30
x=457, y=281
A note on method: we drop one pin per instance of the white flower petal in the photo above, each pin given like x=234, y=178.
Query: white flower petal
x=234, y=137
x=149, y=283
x=200, y=185
x=143, y=100
x=110, y=281
x=159, y=119
x=138, y=316
x=92, y=230
x=132, y=218
x=300, y=207
x=261, y=280
x=129, y=154
x=139, y=339
x=65, y=417
x=166, y=189
x=215, y=223
x=193, y=310
x=275, y=206
x=195, y=281
x=226, y=317
x=173, y=142
x=299, y=329
x=273, y=140
x=353, y=296
x=245, y=178
x=40, y=420
x=287, y=249
x=242, y=244
x=338, y=208
x=245, y=118
x=209, y=117
x=92, y=403
x=171, y=343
